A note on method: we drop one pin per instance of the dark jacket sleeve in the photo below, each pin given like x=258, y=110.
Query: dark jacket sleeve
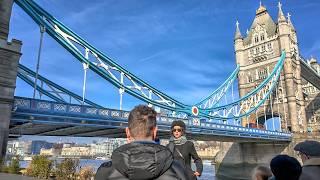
x=103, y=170
x=196, y=158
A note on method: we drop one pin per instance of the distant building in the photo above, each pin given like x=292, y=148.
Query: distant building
x=20, y=148
x=76, y=151
x=50, y=152
x=106, y=148
x=37, y=145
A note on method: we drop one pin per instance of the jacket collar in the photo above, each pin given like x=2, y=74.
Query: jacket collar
x=312, y=162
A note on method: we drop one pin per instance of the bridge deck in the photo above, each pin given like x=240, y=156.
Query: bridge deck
x=47, y=118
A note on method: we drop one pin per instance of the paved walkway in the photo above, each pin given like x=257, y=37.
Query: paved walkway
x=4, y=176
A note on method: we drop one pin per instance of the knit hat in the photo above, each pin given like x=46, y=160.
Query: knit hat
x=285, y=167
x=310, y=148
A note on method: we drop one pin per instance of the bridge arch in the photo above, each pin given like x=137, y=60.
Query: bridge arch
x=266, y=120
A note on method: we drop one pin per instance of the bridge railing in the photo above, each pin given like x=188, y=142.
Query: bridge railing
x=100, y=116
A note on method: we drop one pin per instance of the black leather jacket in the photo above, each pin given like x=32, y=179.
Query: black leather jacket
x=141, y=161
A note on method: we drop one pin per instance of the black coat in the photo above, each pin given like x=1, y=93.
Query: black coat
x=141, y=161
x=188, y=151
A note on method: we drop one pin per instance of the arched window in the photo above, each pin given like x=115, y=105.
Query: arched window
x=262, y=37
x=251, y=51
x=256, y=39
x=250, y=79
x=263, y=47
x=263, y=73
x=269, y=46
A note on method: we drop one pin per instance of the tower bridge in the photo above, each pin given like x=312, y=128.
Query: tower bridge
x=274, y=81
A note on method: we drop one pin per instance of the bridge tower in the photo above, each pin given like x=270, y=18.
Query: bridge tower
x=9, y=59
x=257, y=52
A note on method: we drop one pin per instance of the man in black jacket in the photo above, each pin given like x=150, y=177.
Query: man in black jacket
x=142, y=158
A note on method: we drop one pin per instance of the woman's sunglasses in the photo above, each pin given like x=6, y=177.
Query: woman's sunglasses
x=176, y=130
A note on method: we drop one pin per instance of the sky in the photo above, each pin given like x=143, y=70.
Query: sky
x=182, y=48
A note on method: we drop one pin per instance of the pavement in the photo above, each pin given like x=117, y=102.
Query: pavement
x=5, y=176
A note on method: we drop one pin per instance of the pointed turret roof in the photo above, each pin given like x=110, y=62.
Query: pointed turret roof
x=262, y=19
x=289, y=21
x=281, y=17
x=261, y=9
x=238, y=33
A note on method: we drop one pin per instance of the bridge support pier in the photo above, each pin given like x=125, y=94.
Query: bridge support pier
x=9, y=59
x=235, y=161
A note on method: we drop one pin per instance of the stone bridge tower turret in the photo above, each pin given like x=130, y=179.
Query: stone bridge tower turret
x=257, y=52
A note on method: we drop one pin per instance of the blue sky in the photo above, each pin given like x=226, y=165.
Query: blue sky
x=183, y=48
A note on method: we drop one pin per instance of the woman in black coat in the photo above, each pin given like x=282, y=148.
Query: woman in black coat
x=183, y=150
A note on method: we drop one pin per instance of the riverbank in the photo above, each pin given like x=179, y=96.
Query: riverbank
x=5, y=176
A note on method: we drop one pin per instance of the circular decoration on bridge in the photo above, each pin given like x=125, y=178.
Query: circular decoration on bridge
x=195, y=110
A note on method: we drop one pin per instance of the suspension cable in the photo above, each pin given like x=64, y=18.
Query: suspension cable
x=257, y=120
x=265, y=115
x=273, y=125
x=42, y=30
x=85, y=69
x=284, y=107
x=278, y=102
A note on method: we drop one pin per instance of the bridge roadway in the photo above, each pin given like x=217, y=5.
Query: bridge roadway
x=48, y=118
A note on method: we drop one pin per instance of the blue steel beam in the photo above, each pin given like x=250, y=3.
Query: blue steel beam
x=24, y=72
x=64, y=36
x=53, y=113
x=69, y=40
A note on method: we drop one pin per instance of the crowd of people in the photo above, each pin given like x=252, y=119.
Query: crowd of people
x=284, y=167
x=144, y=158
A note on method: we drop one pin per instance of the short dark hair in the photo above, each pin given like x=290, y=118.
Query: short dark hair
x=285, y=167
x=142, y=119
x=178, y=123
x=262, y=171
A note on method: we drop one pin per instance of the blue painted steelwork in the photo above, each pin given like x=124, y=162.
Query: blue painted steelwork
x=28, y=110
x=251, y=101
x=24, y=73
x=104, y=65
x=139, y=89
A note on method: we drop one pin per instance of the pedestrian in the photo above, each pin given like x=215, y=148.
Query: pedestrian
x=141, y=158
x=261, y=173
x=285, y=167
x=309, y=152
x=183, y=150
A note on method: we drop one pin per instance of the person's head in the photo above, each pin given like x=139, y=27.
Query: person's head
x=178, y=128
x=142, y=124
x=261, y=173
x=285, y=167
x=308, y=149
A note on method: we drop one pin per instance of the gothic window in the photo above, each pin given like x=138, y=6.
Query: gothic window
x=251, y=51
x=250, y=79
x=263, y=48
x=257, y=50
x=256, y=39
x=262, y=37
x=262, y=74
x=269, y=46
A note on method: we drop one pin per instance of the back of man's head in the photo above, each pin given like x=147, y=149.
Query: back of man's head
x=285, y=167
x=142, y=121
